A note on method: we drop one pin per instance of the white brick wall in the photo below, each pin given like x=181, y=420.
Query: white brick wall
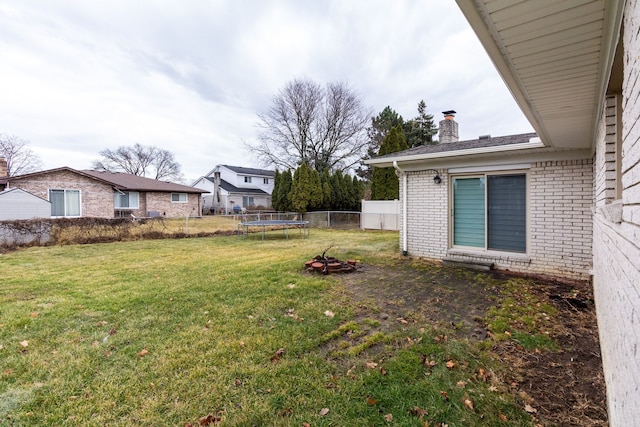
x=560, y=221
x=616, y=247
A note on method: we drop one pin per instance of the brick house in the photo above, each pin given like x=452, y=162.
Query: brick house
x=491, y=202
x=88, y=193
x=234, y=186
x=574, y=191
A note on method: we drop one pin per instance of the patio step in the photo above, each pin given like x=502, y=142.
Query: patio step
x=466, y=263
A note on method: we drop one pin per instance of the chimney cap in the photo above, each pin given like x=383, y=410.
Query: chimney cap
x=449, y=112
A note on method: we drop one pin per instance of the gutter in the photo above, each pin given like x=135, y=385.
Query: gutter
x=404, y=207
x=389, y=161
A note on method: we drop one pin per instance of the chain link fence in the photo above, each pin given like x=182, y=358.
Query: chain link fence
x=321, y=219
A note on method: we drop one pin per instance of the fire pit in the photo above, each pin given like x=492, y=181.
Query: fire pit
x=326, y=264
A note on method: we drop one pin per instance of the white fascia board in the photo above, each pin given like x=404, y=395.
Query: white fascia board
x=388, y=161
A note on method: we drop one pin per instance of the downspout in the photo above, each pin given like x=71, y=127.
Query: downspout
x=401, y=173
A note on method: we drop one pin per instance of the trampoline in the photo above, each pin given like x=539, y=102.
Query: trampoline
x=273, y=224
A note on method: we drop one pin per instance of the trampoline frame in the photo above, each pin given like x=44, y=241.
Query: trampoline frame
x=284, y=224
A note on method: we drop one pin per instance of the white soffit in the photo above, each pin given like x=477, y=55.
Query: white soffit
x=555, y=56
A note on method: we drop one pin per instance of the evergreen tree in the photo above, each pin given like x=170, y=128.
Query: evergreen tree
x=305, y=190
x=337, y=191
x=421, y=129
x=358, y=186
x=349, y=192
x=325, y=182
x=274, y=193
x=384, y=184
x=376, y=133
x=281, y=189
x=317, y=198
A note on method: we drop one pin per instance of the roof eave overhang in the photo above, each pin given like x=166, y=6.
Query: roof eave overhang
x=388, y=161
x=481, y=22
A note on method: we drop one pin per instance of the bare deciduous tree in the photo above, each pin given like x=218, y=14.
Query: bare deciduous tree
x=20, y=159
x=324, y=127
x=141, y=160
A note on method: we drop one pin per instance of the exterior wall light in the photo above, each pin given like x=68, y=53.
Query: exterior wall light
x=436, y=179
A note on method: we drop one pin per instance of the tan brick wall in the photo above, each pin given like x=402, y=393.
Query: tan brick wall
x=96, y=198
x=616, y=245
x=161, y=202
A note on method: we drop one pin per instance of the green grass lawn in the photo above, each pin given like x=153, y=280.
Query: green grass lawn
x=167, y=332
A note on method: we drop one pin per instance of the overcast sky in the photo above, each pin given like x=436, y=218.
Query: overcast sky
x=79, y=76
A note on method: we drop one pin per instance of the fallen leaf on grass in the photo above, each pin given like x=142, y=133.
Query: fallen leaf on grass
x=401, y=320
x=450, y=364
x=445, y=395
x=209, y=420
x=35, y=314
x=468, y=403
x=371, y=401
x=143, y=353
x=291, y=286
x=350, y=372
x=383, y=372
x=483, y=375
x=286, y=412
x=503, y=417
x=426, y=362
x=24, y=343
x=388, y=418
x=530, y=409
x=324, y=411
x=371, y=365
x=277, y=355
x=461, y=384
x=493, y=388
x=416, y=411
x=306, y=425
x=329, y=313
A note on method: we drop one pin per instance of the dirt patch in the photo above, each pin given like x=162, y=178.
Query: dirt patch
x=565, y=386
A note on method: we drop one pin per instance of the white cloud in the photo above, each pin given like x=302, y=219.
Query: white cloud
x=191, y=77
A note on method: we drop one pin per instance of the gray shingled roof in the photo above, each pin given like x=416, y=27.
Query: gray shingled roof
x=233, y=189
x=125, y=181
x=464, y=145
x=250, y=171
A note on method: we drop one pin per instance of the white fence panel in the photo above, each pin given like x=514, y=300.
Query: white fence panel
x=380, y=215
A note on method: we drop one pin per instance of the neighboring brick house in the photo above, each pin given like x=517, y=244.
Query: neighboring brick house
x=228, y=187
x=574, y=70
x=88, y=193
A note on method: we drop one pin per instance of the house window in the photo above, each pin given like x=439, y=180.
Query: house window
x=265, y=181
x=65, y=202
x=247, y=179
x=490, y=212
x=247, y=201
x=178, y=197
x=126, y=200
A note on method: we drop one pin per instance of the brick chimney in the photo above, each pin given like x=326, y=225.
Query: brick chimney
x=448, y=128
x=3, y=167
